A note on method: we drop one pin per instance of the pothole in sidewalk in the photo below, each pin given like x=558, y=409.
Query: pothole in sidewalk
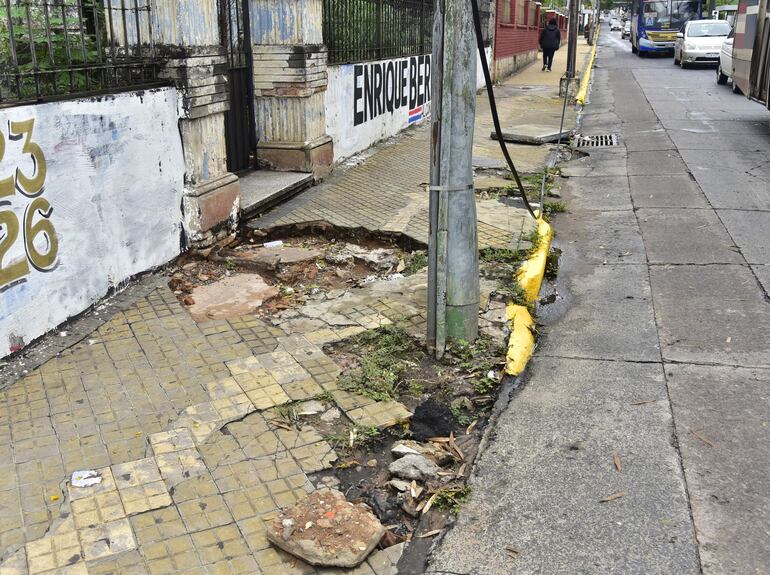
x=413, y=475
x=265, y=275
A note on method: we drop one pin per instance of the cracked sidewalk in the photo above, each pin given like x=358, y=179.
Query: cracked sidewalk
x=181, y=419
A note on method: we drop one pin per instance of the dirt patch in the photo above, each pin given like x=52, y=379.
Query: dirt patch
x=451, y=400
x=294, y=269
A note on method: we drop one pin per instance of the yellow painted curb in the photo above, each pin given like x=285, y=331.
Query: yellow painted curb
x=531, y=272
x=521, y=344
x=522, y=341
x=583, y=91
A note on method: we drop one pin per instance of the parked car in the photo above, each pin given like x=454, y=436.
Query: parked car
x=725, y=66
x=626, y=33
x=700, y=42
x=616, y=25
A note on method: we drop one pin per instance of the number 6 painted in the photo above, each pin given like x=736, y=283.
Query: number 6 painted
x=30, y=187
x=41, y=262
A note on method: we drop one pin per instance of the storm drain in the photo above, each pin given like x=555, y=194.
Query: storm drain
x=600, y=141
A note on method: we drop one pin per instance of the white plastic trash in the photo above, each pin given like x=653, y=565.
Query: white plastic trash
x=86, y=478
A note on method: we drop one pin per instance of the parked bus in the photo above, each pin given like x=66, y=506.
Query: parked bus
x=654, y=23
x=751, y=50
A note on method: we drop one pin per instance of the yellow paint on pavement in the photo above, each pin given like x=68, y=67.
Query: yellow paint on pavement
x=521, y=344
x=531, y=272
x=522, y=341
x=583, y=91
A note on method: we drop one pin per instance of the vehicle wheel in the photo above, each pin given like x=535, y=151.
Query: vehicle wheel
x=683, y=64
x=721, y=78
x=736, y=89
x=634, y=49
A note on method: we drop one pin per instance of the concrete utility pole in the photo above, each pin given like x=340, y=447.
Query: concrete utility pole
x=453, y=265
x=574, y=11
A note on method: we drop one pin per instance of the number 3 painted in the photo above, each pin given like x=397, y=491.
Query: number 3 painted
x=10, y=226
x=30, y=187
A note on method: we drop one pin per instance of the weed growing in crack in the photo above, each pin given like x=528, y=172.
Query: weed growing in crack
x=415, y=262
x=460, y=417
x=500, y=255
x=381, y=370
x=478, y=359
x=510, y=288
x=452, y=498
x=357, y=437
x=554, y=208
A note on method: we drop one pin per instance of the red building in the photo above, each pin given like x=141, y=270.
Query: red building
x=517, y=33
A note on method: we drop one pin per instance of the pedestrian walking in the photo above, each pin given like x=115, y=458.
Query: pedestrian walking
x=550, y=39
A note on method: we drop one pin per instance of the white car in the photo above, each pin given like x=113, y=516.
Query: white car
x=626, y=33
x=616, y=25
x=725, y=66
x=699, y=42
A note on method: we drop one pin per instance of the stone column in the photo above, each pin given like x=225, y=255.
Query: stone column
x=289, y=86
x=187, y=34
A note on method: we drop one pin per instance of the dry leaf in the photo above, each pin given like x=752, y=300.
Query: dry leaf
x=471, y=427
x=511, y=551
x=429, y=534
x=401, y=266
x=617, y=462
x=438, y=439
x=703, y=439
x=429, y=503
x=461, y=471
x=453, y=445
x=612, y=497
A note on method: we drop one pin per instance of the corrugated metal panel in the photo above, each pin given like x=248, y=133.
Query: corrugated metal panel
x=282, y=22
x=283, y=119
x=187, y=22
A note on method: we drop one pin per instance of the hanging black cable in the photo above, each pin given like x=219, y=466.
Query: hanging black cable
x=493, y=106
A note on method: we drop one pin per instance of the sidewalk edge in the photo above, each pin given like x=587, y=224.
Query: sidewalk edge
x=521, y=343
x=585, y=81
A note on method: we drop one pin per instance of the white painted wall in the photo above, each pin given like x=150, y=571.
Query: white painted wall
x=480, y=84
x=114, y=175
x=344, y=100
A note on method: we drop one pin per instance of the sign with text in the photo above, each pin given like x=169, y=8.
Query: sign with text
x=390, y=85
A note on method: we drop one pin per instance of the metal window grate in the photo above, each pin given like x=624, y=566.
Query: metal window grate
x=361, y=30
x=59, y=48
x=600, y=141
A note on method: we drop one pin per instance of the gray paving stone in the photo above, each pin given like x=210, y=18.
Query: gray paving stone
x=686, y=236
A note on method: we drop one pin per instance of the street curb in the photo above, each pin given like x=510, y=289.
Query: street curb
x=521, y=343
x=583, y=91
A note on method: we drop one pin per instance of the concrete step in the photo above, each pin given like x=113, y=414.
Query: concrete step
x=263, y=189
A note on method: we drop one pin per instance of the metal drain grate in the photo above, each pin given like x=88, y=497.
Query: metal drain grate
x=600, y=141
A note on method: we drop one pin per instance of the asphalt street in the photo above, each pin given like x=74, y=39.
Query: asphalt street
x=639, y=442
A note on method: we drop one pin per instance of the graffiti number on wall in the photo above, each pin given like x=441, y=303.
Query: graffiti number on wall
x=37, y=231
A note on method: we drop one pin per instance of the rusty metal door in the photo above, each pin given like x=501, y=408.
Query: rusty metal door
x=240, y=123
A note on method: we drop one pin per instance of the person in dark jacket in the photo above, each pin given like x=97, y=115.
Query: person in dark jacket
x=550, y=39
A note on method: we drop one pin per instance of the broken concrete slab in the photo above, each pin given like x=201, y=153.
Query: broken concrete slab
x=234, y=296
x=414, y=466
x=535, y=134
x=325, y=529
x=408, y=446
